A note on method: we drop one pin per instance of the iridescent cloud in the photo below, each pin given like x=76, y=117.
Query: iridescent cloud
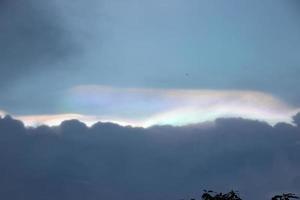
x=146, y=107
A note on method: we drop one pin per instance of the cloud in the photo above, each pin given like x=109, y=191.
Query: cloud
x=148, y=107
x=108, y=161
x=2, y=113
x=143, y=107
x=54, y=120
x=296, y=119
x=32, y=37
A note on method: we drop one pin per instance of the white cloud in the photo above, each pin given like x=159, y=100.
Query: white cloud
x=54, y=120
x=2, y=113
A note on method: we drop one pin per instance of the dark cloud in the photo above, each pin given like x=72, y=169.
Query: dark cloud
x=107, y=161
x=296, y=119
x=32, y=37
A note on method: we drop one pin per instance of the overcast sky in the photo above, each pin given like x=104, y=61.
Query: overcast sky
x=50, y=48
x=210, y=89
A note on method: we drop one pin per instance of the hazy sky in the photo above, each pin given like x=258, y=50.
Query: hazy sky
x=49, y=48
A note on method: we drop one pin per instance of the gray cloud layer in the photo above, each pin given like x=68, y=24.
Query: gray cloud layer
x=32, y=37
x=107, y=161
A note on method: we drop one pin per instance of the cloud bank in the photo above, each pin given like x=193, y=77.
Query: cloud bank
x=107, y=161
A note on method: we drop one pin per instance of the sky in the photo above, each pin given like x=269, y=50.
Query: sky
x=160, y=99
x=50, y=48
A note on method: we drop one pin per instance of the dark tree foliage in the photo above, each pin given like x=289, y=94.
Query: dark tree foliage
x=233, y=195
x=284, y=196
x=210, y=195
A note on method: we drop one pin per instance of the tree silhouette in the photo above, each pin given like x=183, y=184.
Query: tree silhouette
x=284, y=196
x=233, y=195
x=211, y=195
